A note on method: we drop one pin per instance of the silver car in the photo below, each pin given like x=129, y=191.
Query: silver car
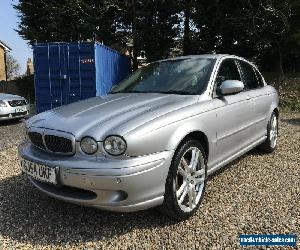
x=155, y=138
x=13, y=107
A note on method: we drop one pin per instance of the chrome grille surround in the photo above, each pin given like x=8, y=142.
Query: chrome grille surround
x=17, y=103
x=52, y=141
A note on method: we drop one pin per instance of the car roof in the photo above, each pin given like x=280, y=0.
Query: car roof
x=205, y=56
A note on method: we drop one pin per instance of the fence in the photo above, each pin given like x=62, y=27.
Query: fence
x=23, y=86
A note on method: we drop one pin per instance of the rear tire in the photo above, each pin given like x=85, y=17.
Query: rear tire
x=186, y=181
x=270, y=144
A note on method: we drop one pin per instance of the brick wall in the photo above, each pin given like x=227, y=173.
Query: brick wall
x=2, y=65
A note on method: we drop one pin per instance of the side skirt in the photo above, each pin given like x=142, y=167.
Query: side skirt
x=236, y=155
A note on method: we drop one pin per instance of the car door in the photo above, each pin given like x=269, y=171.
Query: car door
x=233, y=115
x=260, y=103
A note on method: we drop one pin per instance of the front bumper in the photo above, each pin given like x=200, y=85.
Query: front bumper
x=8, y=113
x=125, y=185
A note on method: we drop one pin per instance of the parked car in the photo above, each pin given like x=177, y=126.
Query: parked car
x=13, y=107
x=155, y=138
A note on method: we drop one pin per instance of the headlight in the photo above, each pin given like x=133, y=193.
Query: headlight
x=115, y=145
x=2, y=104
x=89, y=145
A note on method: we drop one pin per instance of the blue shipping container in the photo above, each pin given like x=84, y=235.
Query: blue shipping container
x=69, y=72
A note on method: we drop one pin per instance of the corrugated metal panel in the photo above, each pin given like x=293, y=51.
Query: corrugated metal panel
x=111, y=68
x=68, y=72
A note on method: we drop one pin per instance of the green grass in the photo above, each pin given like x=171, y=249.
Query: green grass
x=289, y=92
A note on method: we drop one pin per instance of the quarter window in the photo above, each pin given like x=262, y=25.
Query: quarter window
x=249, y=78
x=228, y=71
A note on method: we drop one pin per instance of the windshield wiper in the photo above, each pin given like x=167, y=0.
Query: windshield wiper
x=176, y=92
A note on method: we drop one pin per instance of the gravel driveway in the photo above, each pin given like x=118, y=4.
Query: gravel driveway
x=256, y=194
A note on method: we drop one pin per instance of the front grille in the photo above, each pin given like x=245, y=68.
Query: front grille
x=58, y=144
x=53, y=143
x=17, y=103
x=36, y=139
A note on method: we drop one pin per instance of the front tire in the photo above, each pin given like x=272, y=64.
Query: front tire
x=270, y=144
x=186, y=181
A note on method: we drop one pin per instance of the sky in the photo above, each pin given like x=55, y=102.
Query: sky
x=8, y=23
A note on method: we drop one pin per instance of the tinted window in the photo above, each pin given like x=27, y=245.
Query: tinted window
x=249, y=77
x=183, y=76
x=228, y=71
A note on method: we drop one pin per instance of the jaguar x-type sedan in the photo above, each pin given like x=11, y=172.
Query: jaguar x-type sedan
x=155, y=138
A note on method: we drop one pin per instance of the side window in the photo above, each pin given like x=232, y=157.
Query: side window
x=227, y=71
x=249, y=78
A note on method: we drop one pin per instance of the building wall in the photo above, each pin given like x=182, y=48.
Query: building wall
x=30, y=69
x=2, y=65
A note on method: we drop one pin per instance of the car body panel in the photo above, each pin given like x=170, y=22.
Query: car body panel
x=234, y=115
x=106, y=176
x=109, y=114
x=153, y=125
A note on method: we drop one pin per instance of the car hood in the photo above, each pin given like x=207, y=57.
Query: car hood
x=9, y=97
x=118, y=114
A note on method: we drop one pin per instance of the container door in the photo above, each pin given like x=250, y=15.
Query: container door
x=80, y=72
x=41, y=78
x=47, y=66
x=55, y=76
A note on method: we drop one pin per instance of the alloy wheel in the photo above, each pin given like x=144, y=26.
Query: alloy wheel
x=189, y=181
x=273, y=131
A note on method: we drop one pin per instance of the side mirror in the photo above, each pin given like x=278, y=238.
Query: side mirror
x=230, y=87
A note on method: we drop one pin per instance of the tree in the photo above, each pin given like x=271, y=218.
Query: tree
x=270, y=22
x=158, y=30
x=261, y=30
x=12, y=67
x=67, y=20
x=146, y=25
x=220, y=28
x=256, y=29
x=187, y=6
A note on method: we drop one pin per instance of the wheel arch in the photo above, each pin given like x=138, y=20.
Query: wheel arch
x=276, y=111
x=197, y=135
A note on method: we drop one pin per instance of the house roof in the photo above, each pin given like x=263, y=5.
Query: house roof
x=4, y=46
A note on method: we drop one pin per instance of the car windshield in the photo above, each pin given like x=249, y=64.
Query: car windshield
x=182, y=76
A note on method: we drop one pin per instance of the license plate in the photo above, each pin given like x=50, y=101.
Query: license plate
x=21, y=110
x=39, y=171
